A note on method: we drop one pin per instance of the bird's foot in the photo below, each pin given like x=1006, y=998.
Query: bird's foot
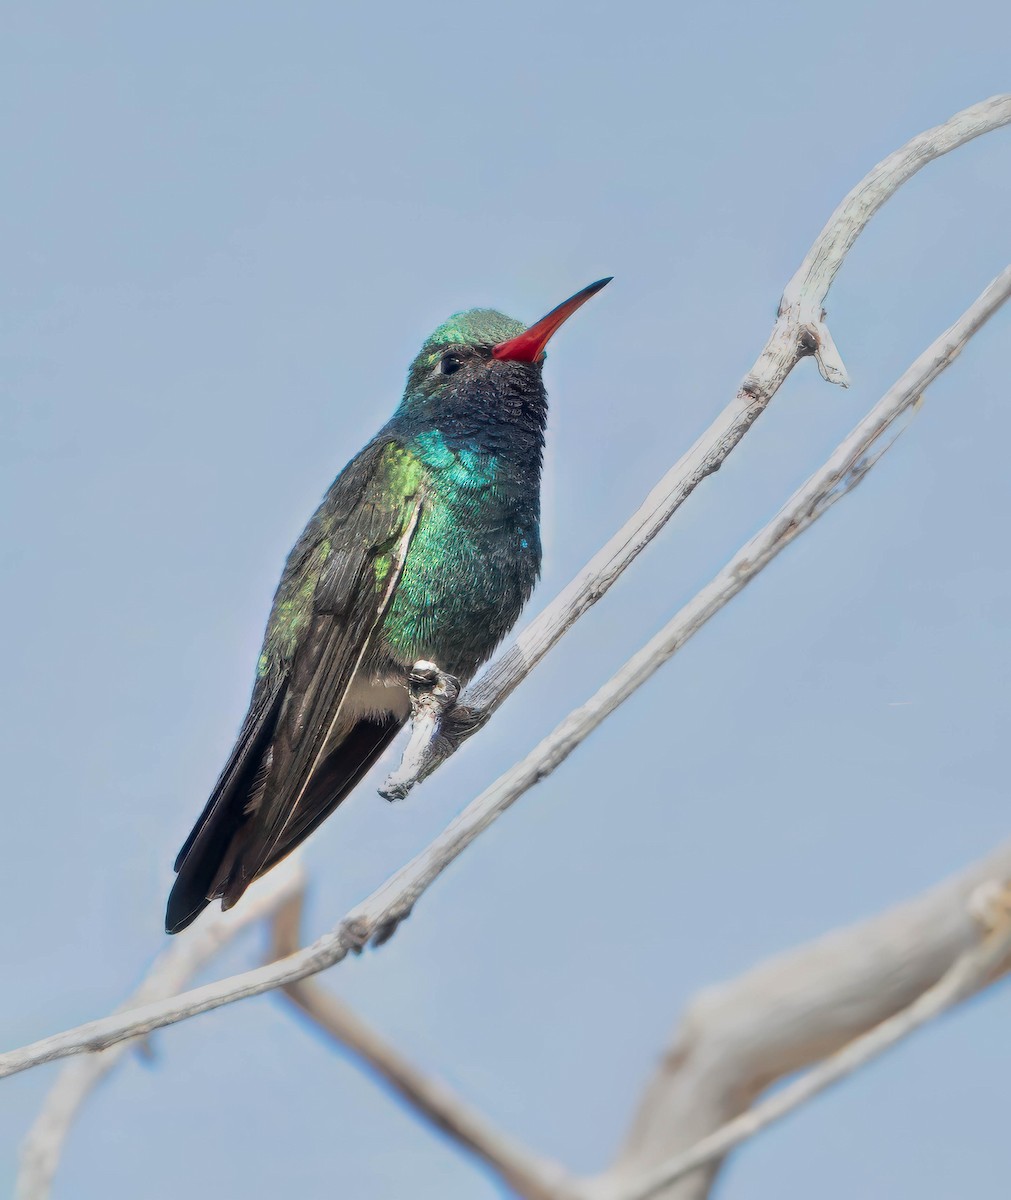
x=431, y=688
x=433, y=694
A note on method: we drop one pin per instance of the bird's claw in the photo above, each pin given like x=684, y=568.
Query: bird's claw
x=427, y=681
x=423, y=672
x=433, y=693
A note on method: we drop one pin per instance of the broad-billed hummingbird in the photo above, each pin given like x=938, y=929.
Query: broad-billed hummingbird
x=426, y=547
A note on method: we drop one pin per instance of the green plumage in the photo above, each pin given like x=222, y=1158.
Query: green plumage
x=475, y=553
x=426, y=546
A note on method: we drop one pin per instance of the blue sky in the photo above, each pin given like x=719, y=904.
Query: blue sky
x=226, y=229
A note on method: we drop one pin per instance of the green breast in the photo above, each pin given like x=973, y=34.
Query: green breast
x=472, y=563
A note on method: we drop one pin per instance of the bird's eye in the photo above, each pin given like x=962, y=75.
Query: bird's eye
x=451, y=363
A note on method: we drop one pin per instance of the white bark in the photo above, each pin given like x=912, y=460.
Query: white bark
x=839, y=1001
x=969, y=973
x=170, y=971
x=787, y=1013
x=800, y=330
x=377, y=916
x=735, y=1039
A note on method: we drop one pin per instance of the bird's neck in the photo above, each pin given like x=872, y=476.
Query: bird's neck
x=509, y=430
x=468, y=461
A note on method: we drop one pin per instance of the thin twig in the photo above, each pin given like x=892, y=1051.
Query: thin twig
x=526, y=1173
x=969, y=973
x=378, y=915
x=800, y=330
x=170, y=971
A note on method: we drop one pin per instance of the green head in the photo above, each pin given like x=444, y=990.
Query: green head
x=480, y=365
x=465, y=336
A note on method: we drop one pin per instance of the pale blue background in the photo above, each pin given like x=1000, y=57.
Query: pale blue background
x=226, y=228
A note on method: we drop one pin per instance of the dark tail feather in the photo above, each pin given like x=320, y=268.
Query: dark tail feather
x=193, y=889
x=226, y=850
x=335, y=777
x=199, y=861
x=212, y=843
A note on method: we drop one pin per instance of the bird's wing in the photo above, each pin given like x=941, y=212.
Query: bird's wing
x=336, y=588
x=374, y=511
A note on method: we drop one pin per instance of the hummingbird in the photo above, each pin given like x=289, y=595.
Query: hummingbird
x=425, y=547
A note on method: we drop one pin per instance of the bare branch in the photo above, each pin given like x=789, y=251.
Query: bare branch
x=800, y=330
x=889, y=975
x=525, y=1173
x=170, y=971
x=379, y=915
